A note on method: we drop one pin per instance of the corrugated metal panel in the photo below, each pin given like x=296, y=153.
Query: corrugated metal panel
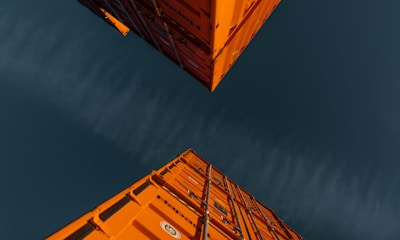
x=204, y=37
x=185, y=199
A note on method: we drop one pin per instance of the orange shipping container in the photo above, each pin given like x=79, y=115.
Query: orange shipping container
x=204, y=37
x=186, y=199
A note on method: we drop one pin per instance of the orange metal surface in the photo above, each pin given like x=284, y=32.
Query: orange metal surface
x=185, y=199
x=204, y=37
x=117, y=24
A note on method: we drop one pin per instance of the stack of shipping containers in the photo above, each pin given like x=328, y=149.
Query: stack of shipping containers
x=186, y=199
x=204, y=37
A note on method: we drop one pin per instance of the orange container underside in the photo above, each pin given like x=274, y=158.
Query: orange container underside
x=204, y=37
x=186, y=199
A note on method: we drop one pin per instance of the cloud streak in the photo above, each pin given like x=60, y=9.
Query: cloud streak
x=311, y=190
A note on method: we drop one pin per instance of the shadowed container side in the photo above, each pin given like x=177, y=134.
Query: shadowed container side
x=204, y=37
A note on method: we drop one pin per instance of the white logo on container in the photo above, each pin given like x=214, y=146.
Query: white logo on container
x=170, y=229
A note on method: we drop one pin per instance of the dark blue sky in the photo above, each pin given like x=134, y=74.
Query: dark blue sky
x=307, y=120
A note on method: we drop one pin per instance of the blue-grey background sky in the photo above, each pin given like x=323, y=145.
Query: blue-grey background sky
x=307, y=120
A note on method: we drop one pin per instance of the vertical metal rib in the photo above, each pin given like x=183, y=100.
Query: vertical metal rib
x=135, y=8
x=273, y=231
x=171, y=40
x=112, y=10
x=269, y=222
x=207, y=213
x=231, y=199
x=173, y=44
x=248, y=211
x=115, y=14
x=130, y=19
x=244, y=220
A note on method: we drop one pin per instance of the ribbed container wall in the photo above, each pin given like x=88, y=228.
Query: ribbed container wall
x=186, y=199
x=204, y=37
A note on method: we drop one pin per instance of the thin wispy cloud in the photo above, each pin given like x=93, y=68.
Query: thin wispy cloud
x=112, y=98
